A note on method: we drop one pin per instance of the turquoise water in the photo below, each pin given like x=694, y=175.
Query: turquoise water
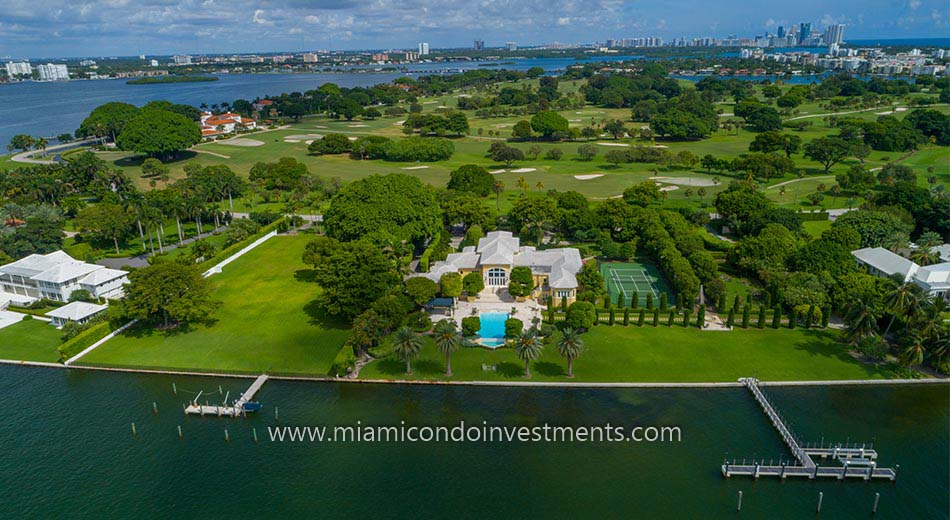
x=492, y=329
x=70, y=453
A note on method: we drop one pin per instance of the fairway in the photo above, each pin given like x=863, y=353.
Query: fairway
x=625, y=279
x=267, y=322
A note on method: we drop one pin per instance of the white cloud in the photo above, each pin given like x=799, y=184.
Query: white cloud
x=259, y=19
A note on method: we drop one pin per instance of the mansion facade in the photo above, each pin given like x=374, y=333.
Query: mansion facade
x=499, y=252
x=55, y=276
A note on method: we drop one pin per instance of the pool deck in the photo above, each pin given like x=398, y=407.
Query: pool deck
x=497, y=302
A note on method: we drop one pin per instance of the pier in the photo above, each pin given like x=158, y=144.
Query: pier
x=855, y=461
x=234, y=410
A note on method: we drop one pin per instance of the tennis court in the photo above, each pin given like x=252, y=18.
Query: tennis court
x=629, y=278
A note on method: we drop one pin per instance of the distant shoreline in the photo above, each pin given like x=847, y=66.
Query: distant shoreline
x=161, y=80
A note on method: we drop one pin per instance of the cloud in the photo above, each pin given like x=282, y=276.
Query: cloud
x=89, y=28
x=259, y=19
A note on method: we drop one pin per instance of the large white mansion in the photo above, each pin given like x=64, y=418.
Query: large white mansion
x=55, y=276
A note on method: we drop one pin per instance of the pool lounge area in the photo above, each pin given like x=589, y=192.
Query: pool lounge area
x=492, y=331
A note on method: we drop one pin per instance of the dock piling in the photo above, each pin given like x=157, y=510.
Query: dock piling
x=740, y=502
x=179, y=431
x=154, y=408
x=877, y=498
x=174, y=388
x=821, y=496
x=227, y=438
x=134, y=433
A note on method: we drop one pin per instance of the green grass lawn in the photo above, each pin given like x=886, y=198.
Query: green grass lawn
x=30, y=340
x=267, y=322
x=649, y=354
x=814, y=228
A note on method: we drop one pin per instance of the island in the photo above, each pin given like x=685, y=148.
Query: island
x=159, y=80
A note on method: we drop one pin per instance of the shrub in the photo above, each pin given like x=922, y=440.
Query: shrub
x=873, y=348
x=423, y=149
x=777, y=318
x=344, y=362
x=581, y=315
x=451, y=285
x=701, y=316
x=626, y=316
x=640, y=317
x=331, y=144
x=419, y=321
x=421, y=289
x=613, y=316
x=520, y=282
x=470, y=325
x=656, y=317
x=473, y=283
x=83, y=340
x=513, y=327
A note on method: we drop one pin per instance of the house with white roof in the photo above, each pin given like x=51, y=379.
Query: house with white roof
x=499, y=252
x=933, y=279
x=884, y=263
x=55, y=276
x=80, y=312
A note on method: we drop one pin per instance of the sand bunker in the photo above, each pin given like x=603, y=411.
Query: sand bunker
x=302, y=137
x=241, y=142
x=524, y=170
x=504, y=125
x=291, y=140
x=588, y=177
x=414, y=168
x=358, y=125
x=399, y=123
x=684, y=181
x=669, y=188
x=613, y=144
x=496, y=172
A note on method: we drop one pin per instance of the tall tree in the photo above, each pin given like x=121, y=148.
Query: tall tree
x=406, y=345
x=447, y=340
x=570, y=346
x=528, y=346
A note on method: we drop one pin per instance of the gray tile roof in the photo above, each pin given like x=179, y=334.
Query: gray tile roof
x=885, y=261
x=76, y=311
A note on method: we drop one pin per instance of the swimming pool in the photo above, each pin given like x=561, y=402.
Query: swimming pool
x=492, y=331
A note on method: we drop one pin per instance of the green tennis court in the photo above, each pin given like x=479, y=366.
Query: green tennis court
x=629, y=278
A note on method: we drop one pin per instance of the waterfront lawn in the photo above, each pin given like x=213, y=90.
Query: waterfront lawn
x=266, y=322
x=30, y=340
x=648, y=354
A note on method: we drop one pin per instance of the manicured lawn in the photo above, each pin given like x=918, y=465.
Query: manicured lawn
x=30, y=340
x=650, y=354
x=266, y=322
x=814, y=228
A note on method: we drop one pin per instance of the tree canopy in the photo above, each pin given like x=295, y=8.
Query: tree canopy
x=159, y=133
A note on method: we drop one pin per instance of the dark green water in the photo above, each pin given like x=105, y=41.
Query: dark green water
x=69, y=453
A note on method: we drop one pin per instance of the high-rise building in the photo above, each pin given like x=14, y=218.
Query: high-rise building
x=781, y=32
x=804, y=31
x=22, y=68
x=423, y=49
x=479, y=45
x=181, y=60
x=834, y=34
x=511, y=46
x=53, y=72
x=153, y=63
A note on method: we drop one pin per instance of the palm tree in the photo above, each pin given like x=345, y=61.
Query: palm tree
x=406, y=345
x=904, y=301
x=499, y=188
x=861, y=318
x=570, y=346
x=528, y=346
x=447, y=340
x=913, y=353
x=539, y=185
x=522, y=184
x=925, y=256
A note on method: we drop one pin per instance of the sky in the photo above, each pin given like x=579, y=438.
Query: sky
x=60, y=28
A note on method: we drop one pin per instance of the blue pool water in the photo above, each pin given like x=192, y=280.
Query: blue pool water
x=492, y=331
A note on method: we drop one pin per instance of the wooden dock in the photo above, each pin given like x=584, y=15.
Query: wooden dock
x=225, y=410
x=855, y=461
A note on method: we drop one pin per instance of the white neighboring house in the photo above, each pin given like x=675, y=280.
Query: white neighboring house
x=55, y=276
x=933, y=279
x=80, y=312
x=884, y=263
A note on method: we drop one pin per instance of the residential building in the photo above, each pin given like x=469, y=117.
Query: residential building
x=55, y=276
x=884, y=263
x=479, y=45
x=181, y=60
x=153, y=63
x=53, y=72
x=423, y=49
x=311, y=57
x=214, y=126
x=933, y=279
x=834, y=34
x=499, y=252
x=511, y=46
x=80, y=312
x=22, y=68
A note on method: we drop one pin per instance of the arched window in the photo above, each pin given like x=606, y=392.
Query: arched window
x=497, y=277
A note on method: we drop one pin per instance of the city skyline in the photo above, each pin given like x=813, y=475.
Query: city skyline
x=54, y=28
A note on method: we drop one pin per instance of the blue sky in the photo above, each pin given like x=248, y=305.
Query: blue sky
x=45, y=28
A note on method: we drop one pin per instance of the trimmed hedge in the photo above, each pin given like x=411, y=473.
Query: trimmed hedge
x=84, y=339
x=223, y=255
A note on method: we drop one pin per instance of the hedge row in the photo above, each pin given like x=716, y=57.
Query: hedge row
x=84, y=339
x=437, y=250
x=223, y=255
x=669, y=260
